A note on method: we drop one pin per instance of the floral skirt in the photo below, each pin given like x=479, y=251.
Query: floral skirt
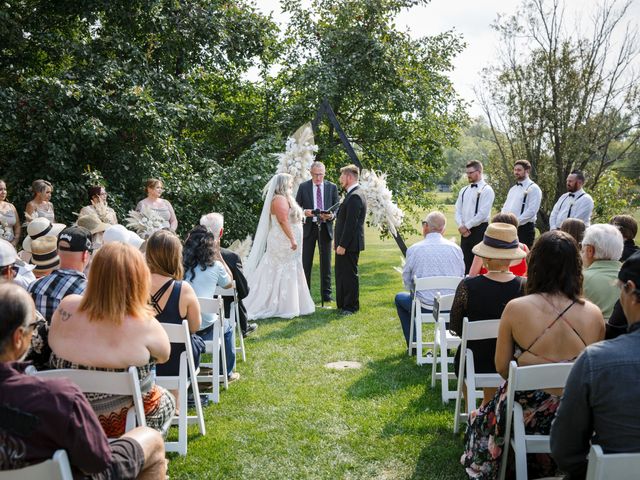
x=484, y=439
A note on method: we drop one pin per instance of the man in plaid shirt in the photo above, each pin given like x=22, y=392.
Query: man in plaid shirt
x=74, y=250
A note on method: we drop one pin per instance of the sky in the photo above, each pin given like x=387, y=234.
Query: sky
x=472, y=19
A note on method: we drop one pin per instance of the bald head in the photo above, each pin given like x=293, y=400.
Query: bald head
x=434, y=222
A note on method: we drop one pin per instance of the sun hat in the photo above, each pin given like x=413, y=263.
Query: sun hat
x=8, y=254
x=119, y=233
x=40, y=227
x=45, y=254
x=92, y=223
x=500, y=243
x=74, y=239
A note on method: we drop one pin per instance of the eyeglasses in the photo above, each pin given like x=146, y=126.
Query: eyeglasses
x=36, y=324
x=424, y=223
x=14, y=268
x=469, y=172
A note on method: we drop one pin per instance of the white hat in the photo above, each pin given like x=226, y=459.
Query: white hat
x=8, y=255
x=40, y=227
x=118, y=233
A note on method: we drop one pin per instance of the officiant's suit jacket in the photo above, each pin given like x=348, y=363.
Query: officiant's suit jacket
x=233, y=261
x=304, y=197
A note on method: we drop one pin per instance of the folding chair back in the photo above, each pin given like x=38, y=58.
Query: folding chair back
x=533, y=377
x=55, y=468
x=621, y=466
x=443, y=341
x=234, y=317
x=187, y=376
x=477, y=330
x=418, y=318
x=214, y=346
x=112, y=383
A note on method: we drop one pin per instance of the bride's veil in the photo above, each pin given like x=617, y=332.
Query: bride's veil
x=260, y=239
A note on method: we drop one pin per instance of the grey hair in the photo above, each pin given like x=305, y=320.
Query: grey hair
x=214, y=222
x=316, y=164
x=436, y=221
x=606, y=240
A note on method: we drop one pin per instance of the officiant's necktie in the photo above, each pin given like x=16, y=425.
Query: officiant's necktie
x=318, y=198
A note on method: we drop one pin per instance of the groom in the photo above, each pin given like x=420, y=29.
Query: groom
x=317, y=194
x=349, y=241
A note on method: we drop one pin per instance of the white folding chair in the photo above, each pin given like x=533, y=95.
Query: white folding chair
x=533, y=377
x=618, y=466
x=55, y=468
x=214, y=347
x=477, y=330
x=418, y=318
x=234, y=317
x=187, y=376
x=443, y=341
x=112, y=383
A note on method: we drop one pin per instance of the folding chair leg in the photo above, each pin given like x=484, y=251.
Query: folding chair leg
x=434, y=363
x=239, y=339
x=444, y=372
x=223, y=349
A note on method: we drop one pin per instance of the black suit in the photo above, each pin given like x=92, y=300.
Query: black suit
x=234, y=263
x=305, y=197
x=349, y=235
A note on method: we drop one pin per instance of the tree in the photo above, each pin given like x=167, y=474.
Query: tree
x=562, y=100
x=390, y=92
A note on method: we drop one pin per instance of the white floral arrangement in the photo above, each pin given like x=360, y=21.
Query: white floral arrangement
x=145, y=222
x=242, y=247
x=383, y=212
x=6, y=232
x=298, y=156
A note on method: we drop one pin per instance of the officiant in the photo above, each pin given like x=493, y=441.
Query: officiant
x=315, y=196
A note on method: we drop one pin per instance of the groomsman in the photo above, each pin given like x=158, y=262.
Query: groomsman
x=473, y=209
x=349, y=241
x=523, y=200
x=576, y=203
x=317, y=194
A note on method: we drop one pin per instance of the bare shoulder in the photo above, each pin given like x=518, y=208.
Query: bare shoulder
x=279, y=204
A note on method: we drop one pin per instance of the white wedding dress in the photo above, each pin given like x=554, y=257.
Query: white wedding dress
x=277, y=286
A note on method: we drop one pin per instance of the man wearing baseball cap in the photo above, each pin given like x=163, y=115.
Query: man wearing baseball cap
x=74, y=250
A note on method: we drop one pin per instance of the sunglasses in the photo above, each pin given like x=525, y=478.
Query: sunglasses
x=14, y=268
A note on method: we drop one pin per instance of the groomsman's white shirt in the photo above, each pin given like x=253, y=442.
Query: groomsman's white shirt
x=516, y=197
x=466, y=214
x=580, y=203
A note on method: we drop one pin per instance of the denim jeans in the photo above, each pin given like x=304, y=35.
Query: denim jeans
x=403, y=306
x=207, y=334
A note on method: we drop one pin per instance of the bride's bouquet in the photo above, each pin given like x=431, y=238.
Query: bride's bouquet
x=145, y=222
x=383, y=212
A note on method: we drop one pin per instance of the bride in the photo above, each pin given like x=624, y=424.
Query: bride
x=277, y=285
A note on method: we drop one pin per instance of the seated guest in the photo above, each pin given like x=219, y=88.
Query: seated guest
x=484, y=297
x=95, y=226
x=597, y=405
x=12, y=268
x=518, y=268
x=37, y=228
x=551, y=324
x=119, y=233
x=111, y=327
x=39, y=416
x=172, y=299
x=44, y=256
x=435, y=256
x=601, y=249
x=215, y=223
x=629, y=229
x=74, y=247
x=205, y=270
x=574, y=227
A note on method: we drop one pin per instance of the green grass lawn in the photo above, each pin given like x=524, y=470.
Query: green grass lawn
x=289, y=417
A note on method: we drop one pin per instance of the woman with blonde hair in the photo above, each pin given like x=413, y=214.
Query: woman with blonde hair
x=277, y=285
x=163, y=208
x=40, y=205
x=111, y=327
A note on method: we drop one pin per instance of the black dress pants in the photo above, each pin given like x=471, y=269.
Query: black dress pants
x=526, y=234
x=308, y=251
x=347, y=282
x=467, y=243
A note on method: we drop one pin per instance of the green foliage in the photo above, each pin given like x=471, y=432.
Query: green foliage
x=610, y=197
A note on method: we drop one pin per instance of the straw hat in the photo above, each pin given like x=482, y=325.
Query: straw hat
x=45, y=254
x=92, y=223
x=40, y=227
x=500, y=243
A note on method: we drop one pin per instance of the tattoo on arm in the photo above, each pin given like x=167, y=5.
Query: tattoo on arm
x=64, y=315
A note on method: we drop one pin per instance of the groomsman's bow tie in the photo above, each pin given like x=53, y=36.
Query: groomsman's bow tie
x=571, y=195
x=474, y=185
x=519, y=184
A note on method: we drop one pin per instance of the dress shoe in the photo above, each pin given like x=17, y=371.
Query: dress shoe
x=328, y=299
x=251, y=327
x=346, y=312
